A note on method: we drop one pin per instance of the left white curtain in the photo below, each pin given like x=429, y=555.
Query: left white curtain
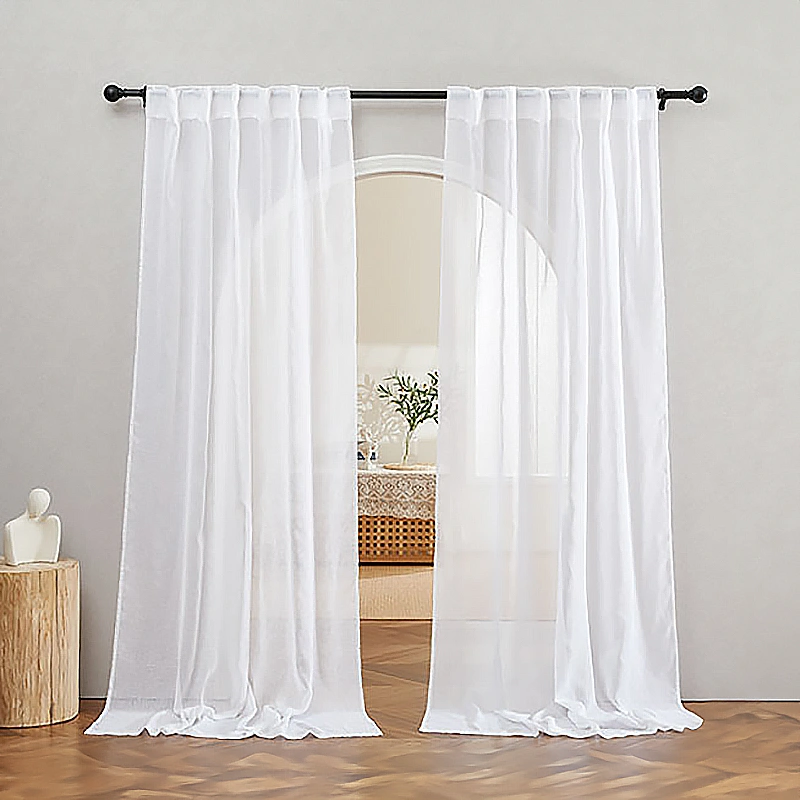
x=238, y=600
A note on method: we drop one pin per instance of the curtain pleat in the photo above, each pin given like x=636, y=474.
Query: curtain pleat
x=238, y=601
x=553, y=590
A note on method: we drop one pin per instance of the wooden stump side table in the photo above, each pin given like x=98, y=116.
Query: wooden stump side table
x=39, y=642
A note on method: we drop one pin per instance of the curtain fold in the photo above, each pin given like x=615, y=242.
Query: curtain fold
x=553, y=591
x=238, y=600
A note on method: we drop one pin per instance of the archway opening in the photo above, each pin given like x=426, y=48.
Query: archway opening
x=398, y=223
x=399, y=234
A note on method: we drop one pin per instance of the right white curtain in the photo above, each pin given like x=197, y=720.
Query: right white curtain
x=554, y=603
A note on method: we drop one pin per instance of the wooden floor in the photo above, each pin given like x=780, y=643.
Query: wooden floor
x=744, y=750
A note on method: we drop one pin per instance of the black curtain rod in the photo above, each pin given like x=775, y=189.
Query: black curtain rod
x=696, y=94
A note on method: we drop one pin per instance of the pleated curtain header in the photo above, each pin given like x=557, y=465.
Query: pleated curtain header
x=218, y=102
x=242, y=102
x=588, y=102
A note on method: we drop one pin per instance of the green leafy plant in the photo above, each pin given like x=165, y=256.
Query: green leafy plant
x=416, y=402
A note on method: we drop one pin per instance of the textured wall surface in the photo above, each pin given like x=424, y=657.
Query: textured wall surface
x=70, y=169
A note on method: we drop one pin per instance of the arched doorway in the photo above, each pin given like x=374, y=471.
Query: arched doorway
x=398, y=213
x=399, y=220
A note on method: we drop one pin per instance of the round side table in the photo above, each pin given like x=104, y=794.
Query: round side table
x=39, y=642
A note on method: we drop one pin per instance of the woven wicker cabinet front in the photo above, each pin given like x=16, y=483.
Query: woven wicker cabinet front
x=396, y=516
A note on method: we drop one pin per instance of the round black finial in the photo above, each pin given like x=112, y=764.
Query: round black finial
x=698, y=94
x=112, y=93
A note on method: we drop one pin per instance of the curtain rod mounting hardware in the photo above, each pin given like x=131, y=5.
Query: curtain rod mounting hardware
x=697, y=94
x=113, y=93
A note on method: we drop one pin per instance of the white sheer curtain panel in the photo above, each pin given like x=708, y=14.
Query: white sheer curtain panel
x=553, y=599
x=238, y=598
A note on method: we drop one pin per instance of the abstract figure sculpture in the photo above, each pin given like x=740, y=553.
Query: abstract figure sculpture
x=33, y=536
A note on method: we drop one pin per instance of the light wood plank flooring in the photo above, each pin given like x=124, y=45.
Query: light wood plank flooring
x=747, y=751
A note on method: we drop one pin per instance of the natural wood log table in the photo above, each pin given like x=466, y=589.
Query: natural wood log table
x=39, y=641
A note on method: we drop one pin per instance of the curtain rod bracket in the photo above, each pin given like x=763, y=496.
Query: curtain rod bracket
x=113, y=93
x=697, y=94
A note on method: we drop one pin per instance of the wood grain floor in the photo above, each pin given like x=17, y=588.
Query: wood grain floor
x=747, y=751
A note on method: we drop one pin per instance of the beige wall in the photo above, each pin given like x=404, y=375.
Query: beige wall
x=399, y=222
x=70, y=168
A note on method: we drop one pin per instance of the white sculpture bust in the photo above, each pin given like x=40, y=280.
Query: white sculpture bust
x=33, y=536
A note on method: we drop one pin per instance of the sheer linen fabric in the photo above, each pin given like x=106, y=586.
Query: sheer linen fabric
x=553, y=590
x=238, y=598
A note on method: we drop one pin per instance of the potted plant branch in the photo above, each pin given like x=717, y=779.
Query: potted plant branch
x=415, y=401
